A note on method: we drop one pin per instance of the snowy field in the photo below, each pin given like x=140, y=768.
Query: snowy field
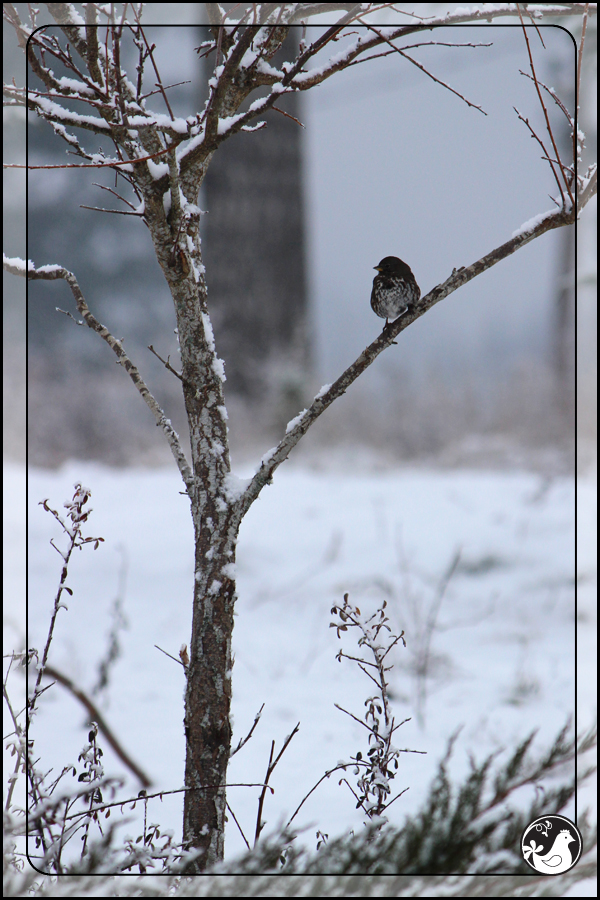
x=499, y=657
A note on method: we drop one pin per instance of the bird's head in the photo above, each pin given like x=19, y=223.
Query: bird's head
x=389, y=264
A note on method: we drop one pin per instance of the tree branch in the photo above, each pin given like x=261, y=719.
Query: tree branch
x=97, y=716
x=545, y=111
x=298, y=427
x=420, y=66
x=51, y=273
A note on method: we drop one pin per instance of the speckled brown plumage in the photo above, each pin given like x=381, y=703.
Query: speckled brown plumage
x=394, y=288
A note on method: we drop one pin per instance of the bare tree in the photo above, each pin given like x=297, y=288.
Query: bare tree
x=162, y=161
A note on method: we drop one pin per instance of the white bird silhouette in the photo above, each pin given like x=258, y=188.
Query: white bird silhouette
x=557, y=860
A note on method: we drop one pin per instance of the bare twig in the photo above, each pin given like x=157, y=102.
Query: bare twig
x=364, y=59
x=181, y=663
x=154, y=66
x=288, y=116
x=165, y=362
x=104, y=187
x=580, y=56
x=426, y=637
x=554, y=96
x=590, y=186
x=548, y=125
x=270, y=768
x=118, y=212
x=249, y=735
x=578, y=85
x=233, y=815
x=342, y=767
x=161, y=794
x=19, y=745
x=546, y=155
x=421, y=66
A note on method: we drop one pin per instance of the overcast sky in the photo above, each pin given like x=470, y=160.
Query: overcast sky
x=397, y=165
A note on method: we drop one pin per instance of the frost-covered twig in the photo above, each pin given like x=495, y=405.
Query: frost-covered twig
x=19, y=741
x=78, y=516
x=50, y=273
x=105, y=164
x=374, y=771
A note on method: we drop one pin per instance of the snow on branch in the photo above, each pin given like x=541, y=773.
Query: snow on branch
x=245, y=40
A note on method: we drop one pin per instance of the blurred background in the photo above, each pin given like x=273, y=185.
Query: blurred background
x=388, y=163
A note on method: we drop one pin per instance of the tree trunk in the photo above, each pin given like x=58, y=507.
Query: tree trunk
x=207, y=705
x=208, y=692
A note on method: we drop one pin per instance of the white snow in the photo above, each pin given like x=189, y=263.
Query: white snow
x=332, y=61
x=227, y=122
x=532, y=223
x=17, y=263
x=234, y=486
x=293, y=422
x=322, y=391
x=266, y=457
x=58, y=111
x=501, y=655
x=208, y=331
x=218, y=367
x=157, y=170
x=73, y=84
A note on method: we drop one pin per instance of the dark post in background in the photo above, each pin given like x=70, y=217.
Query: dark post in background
x=253, y=248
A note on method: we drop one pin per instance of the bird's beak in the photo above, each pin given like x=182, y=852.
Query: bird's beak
x=378, y=268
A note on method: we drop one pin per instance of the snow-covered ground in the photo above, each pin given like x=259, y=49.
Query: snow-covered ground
x=501, y=654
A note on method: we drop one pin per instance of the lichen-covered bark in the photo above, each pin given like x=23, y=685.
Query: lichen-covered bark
x=208, y=692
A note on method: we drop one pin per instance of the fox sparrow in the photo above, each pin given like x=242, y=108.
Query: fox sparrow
x=394, y=288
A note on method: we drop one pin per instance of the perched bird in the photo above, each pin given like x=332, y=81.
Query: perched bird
x=394, y=288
